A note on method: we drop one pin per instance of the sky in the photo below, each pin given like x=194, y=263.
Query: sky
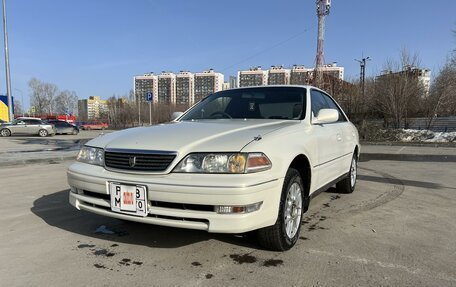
x=95, y=47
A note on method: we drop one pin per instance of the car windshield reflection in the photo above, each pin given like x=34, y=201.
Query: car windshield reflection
x=284, y=103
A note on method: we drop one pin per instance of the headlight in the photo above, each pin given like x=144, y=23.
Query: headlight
x=91, y=155
x=223, y=163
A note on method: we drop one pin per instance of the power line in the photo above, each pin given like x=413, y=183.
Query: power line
x=268, y=48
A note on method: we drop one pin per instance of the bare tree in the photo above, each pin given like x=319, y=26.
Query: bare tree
x=38, y=97
x=398, y=92
x=442, y=97
x=18, y=107
x=66, y=102
x=47, y=99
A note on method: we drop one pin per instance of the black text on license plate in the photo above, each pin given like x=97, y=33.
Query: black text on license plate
x=130, y=199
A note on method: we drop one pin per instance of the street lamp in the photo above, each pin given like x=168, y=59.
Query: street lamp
x=362, y=75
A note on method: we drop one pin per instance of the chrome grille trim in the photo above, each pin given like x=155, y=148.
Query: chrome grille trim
x=144, y=160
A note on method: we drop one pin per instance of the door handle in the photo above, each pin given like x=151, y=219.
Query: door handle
x=339, y=137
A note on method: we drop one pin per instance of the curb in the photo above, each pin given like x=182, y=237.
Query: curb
x=407, y=157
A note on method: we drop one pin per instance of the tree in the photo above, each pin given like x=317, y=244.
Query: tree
x=38, y=97
x=442, y=97
x=18, y=107
x=66, y=102
x=47, y=99
x=399, y=91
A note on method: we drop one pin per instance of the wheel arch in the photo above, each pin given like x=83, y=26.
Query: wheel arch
x=356, y=151
x=302, y=164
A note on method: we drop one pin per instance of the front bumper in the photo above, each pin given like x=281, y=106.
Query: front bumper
x=89, y=192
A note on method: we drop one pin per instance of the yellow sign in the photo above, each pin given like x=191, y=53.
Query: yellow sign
x=4, y=111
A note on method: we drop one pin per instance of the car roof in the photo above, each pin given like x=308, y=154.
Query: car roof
x=27, y=118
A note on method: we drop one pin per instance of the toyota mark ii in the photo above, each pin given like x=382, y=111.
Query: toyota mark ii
x=240, y=160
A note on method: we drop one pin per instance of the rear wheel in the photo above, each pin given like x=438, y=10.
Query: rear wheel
x=5, y=132
x=347, y=185
x=285, y=232
x=43, y=133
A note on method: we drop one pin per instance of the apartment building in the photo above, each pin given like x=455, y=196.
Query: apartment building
x=252, y=77
x=144, y=84
x=277, y=75
x=92, y=108
x=300, y=75
x=185, y=88
x=166, y=88
x=206, y=83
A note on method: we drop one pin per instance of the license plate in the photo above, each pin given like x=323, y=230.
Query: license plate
x=128, y=198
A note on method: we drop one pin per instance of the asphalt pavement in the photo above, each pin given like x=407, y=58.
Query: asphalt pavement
x=396, y=229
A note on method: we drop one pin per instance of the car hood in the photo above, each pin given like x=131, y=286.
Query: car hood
x=198, y=136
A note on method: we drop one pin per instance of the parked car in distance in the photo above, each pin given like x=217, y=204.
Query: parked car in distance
x=93, y=126
x=240, y=160
x=27, y=126
x=63, y=127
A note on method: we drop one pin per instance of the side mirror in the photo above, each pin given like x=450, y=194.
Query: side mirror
x=326, y=116
x=175, y=115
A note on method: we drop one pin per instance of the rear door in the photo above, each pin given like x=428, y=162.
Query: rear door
x=32, y=126
x=66, y=127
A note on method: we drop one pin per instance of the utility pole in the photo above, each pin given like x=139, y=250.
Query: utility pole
x=7, y=66
x=323, y=7
x=362, y=75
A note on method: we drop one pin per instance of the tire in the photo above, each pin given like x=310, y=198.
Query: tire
x=43, y=133
x=75, y=132
x=282, y=235
x=348, y=184
x=5, y=133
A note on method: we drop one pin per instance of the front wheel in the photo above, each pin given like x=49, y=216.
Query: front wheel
x=43, y=133
x=5, y=132
x=285, y=232
x=347, y=185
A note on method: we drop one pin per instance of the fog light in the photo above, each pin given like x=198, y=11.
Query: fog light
x=238, y=209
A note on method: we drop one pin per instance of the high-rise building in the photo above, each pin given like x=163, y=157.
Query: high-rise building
x=206, y=83
x=166, y=88
x=277, y=75
x=300, y=75
x=92, y=108
x=253, y=77
x=147, y=83
x=184, y=88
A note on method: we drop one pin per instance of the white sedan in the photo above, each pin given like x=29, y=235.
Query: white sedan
x=240, y=160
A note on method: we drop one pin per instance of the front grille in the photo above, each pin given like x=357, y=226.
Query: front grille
x=153, y=161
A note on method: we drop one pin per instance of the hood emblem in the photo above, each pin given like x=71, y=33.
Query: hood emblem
x=132, y=161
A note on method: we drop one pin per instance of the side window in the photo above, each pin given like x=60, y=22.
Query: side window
x=332, y=105
x=31, y=122
x=318, y=102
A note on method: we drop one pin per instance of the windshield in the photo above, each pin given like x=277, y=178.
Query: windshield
x=251, y=103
